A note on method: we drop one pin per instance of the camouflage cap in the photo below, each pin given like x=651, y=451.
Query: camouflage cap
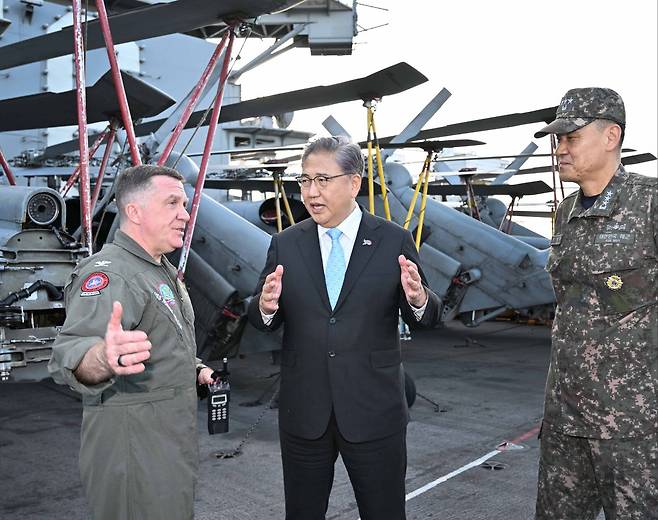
x=581, y=106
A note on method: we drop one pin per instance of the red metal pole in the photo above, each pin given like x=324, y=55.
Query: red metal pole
x=101, y=173
x=118, y=83
x=212, y=127
x=192, y=102
x=76, y=173
x=7, y=169
x=81, y=96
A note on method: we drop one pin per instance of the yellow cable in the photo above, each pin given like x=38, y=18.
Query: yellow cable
x=285, y=202
x=380, y=169
x=423, y=204
x=412, y=205
x=371, y=183
x=277, y=206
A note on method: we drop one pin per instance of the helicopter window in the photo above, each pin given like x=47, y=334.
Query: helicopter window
x=241, y=141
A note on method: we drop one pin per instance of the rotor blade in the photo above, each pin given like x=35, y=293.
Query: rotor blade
x=420, y=120
x=237, y=151
x=332, y=126
x=59, y=109
x=626, y=161
x=425, y=145
x=434, y=146
x=516, y=164
x=515, y=190
x=639, y=158
x=490, y=123
x=541, y=214
x=136, y=24
x=476, y=158
x=391, y=80
x=265, y=185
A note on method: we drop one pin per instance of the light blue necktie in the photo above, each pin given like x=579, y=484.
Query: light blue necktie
x=335, y=271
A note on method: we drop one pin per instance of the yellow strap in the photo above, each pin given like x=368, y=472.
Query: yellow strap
x=285, y=202
x=423, y=204
x=412, y=206
x=277, y=206
x=371, y=183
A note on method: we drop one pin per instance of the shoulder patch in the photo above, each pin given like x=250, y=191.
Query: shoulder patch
x=94, y=284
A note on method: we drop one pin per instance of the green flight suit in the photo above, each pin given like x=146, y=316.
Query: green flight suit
x=139, y=450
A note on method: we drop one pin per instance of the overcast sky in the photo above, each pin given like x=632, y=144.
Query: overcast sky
x=494, y=57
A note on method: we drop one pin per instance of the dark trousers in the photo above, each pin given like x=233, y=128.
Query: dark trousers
x=376, y=469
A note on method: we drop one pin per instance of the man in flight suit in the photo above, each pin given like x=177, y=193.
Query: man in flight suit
x=599, y=441
x=127, y=346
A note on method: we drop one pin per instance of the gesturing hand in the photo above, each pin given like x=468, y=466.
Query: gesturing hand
x=412, y=283
x=269, y=297
x=125, y=350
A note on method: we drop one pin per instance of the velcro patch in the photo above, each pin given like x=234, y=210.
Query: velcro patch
x=94, y=284
x=615, y=238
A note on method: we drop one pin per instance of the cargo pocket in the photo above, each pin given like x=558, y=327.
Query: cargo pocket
x=623, y=284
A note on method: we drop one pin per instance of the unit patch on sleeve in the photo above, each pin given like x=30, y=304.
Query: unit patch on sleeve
x=94, y=284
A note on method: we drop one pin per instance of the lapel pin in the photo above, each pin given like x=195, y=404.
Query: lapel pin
x=366, y=242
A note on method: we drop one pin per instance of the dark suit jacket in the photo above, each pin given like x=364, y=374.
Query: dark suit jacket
x=347, y=359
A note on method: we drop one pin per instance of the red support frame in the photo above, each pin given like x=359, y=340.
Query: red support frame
x=192, y=102
x=76, y=173
x=7, y=169
x=101, y=173
x=81, y=97
x=118, y=83
x=212, y=127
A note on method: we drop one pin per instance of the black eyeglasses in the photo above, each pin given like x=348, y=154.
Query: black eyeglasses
x=322, y=180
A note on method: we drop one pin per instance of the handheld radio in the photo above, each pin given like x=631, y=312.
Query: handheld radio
x=219, y=397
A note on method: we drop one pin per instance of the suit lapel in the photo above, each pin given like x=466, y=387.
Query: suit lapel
x=309, y=247
x=365, y=245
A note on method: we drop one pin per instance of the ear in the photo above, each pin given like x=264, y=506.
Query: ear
x=612, y=135
x=133, y=213
x=356, y=185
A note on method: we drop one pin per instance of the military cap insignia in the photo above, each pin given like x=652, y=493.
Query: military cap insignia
x=94, y=284
x=614, y=282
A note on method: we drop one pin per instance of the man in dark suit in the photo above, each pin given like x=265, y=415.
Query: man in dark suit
x=338, y=282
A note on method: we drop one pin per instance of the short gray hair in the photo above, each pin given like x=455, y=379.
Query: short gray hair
x=137, y=179
x=602, y=124
x=347, y=154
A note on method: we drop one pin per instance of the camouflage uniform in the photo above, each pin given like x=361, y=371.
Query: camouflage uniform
x=599, y=441
x=602, y=383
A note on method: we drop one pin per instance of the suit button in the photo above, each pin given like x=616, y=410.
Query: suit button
x=332, y=320
x=332, y=354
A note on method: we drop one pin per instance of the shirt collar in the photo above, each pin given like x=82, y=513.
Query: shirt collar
x=124, y=241
x=349, y=227
x=606, y=201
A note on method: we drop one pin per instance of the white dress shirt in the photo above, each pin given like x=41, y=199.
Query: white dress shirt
x=349, y=229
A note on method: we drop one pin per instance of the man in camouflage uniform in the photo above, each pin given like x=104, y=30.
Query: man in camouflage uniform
x=127, y=346
x=599, y=445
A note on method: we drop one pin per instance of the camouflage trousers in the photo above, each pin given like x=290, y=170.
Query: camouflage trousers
x=580, y=476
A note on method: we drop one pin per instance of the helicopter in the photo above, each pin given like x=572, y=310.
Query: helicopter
x=225, y=249
x=41, y=232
